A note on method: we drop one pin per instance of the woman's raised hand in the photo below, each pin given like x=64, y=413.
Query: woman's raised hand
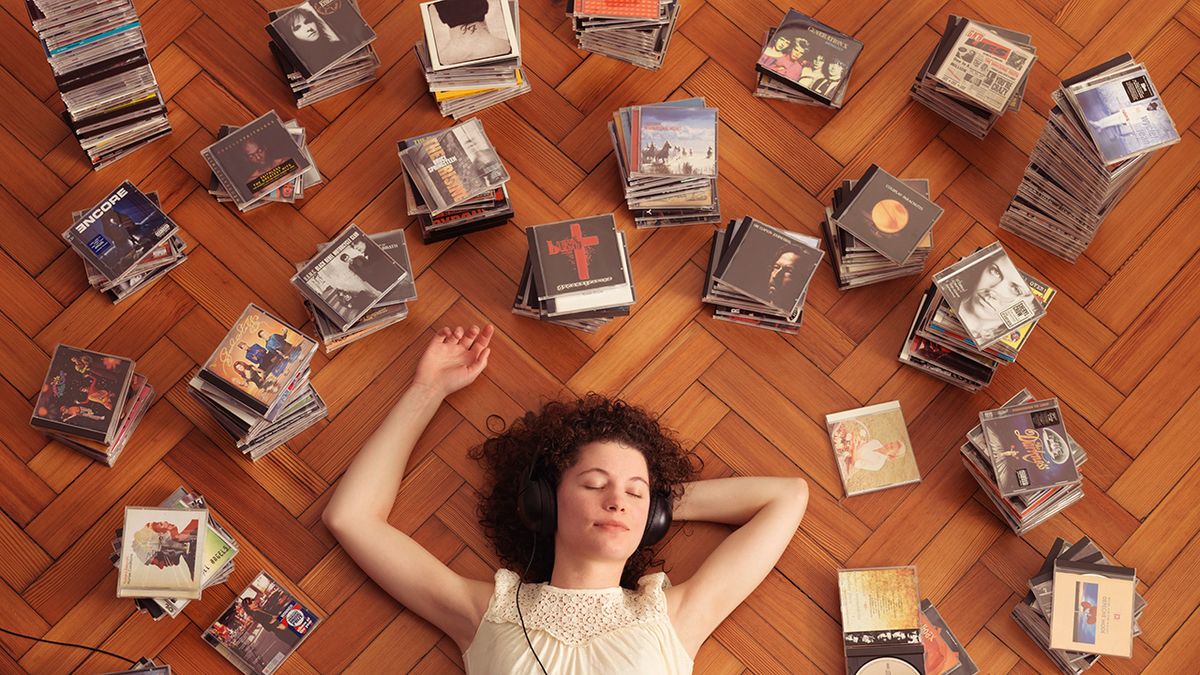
x=453, y=359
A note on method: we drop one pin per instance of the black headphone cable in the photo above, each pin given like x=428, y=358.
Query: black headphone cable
x=518, y=599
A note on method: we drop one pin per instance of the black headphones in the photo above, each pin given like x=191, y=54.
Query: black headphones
x=537, y=506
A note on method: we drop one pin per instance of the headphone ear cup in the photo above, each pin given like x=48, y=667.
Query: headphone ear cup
x=537, y=506
x=658, y=521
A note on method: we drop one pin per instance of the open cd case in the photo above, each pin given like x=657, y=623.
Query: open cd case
x=881, y=621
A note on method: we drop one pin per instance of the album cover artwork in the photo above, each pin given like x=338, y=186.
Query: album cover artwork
x=673, y=140
x=263, y=626
x=469, y=32
x=258, y=358
x=887, y=214
x=872, y=448
x=806, y=52
x=1029, y=447
x=120, y=231
x=349, y=277
x=576, y=255
x=83, y=394
x=881, y=625
x=988, y=295
x=320, y=33
x=162, y=553
x=255, y=159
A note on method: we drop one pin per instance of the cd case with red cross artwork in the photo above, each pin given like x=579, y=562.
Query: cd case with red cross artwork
x=578, y=255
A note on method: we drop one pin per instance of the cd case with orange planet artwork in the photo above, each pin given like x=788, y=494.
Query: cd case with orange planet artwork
x=887, y=214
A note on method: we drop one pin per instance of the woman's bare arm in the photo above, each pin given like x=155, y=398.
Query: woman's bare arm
x=768, y=511
x=358, y=511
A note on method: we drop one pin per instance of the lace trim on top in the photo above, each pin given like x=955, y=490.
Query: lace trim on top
x=576, y=615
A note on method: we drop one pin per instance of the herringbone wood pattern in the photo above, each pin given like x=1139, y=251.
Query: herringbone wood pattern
x=1117, y=347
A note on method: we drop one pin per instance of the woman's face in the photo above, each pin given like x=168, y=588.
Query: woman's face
x=304, y=28
x=818, y=60
x=781, y=44
x=797, y=51
x=603, y=502
x=994, y=294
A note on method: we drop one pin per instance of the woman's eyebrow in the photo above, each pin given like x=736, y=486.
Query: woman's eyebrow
x=596, y=468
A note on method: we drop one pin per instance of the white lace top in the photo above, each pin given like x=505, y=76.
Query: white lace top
x=606, y=630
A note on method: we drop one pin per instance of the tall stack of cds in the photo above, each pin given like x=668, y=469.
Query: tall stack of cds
x=976, y=315
x=634, y=31
x=455, y=182
x=977, y=73
x=758, y=275
x=1025, y=507
x=667, y=155
x=102, y=70
x=1103, y=127
x=577, y=274
x=256, y=384
x=805, y=61
x=879, y=227
x=323, y=48
x=471, y=55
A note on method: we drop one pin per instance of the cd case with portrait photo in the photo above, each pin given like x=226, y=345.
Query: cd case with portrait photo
x=1029, y=447
x=872, y=448
x=262, y=627
x=462, y=33
x=881, y=623
x=451, y=167
x=120, y=232
x=768, y=265
x=805, y=61
x=349, y=277
x=162, y=553
x=255, y=159
x=988, y=295
x=888, y=215
x=1093, y=608
x=320, y=34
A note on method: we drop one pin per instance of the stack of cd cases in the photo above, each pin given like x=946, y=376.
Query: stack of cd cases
x=634, y=31
x=1105, y=125
x=102, y=70
x=471, y=54
x=323, y=47
x=667, y=155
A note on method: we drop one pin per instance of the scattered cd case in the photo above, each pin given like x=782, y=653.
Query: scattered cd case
x=262, y=627
x=162, y=553
x=872, y=448
x=881, y=620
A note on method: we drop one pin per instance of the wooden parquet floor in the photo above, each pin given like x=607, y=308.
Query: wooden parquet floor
x=1118, y=347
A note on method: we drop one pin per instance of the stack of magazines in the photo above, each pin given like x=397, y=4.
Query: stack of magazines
x=804, y=61
x=264, y=161
x=976, y=315
x=102, y=70
x=880, y=227
x=323, y=48
x=471, y=55
x=256, y=383
x=667, y=155
x=91, y=402
x=455, y=182
x=215, y=566
x=126, y=241
x=1081, y=606
x=977, y=73
x=758, y=275
x=1105, y=124
x=1032, y=485
x=634, y=31
x=577, y=274
x=356, y=285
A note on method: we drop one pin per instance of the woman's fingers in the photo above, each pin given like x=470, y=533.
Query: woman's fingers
x=484, y=339
x=469, y=338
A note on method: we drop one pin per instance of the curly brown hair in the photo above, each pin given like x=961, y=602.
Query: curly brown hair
x=558, y=431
